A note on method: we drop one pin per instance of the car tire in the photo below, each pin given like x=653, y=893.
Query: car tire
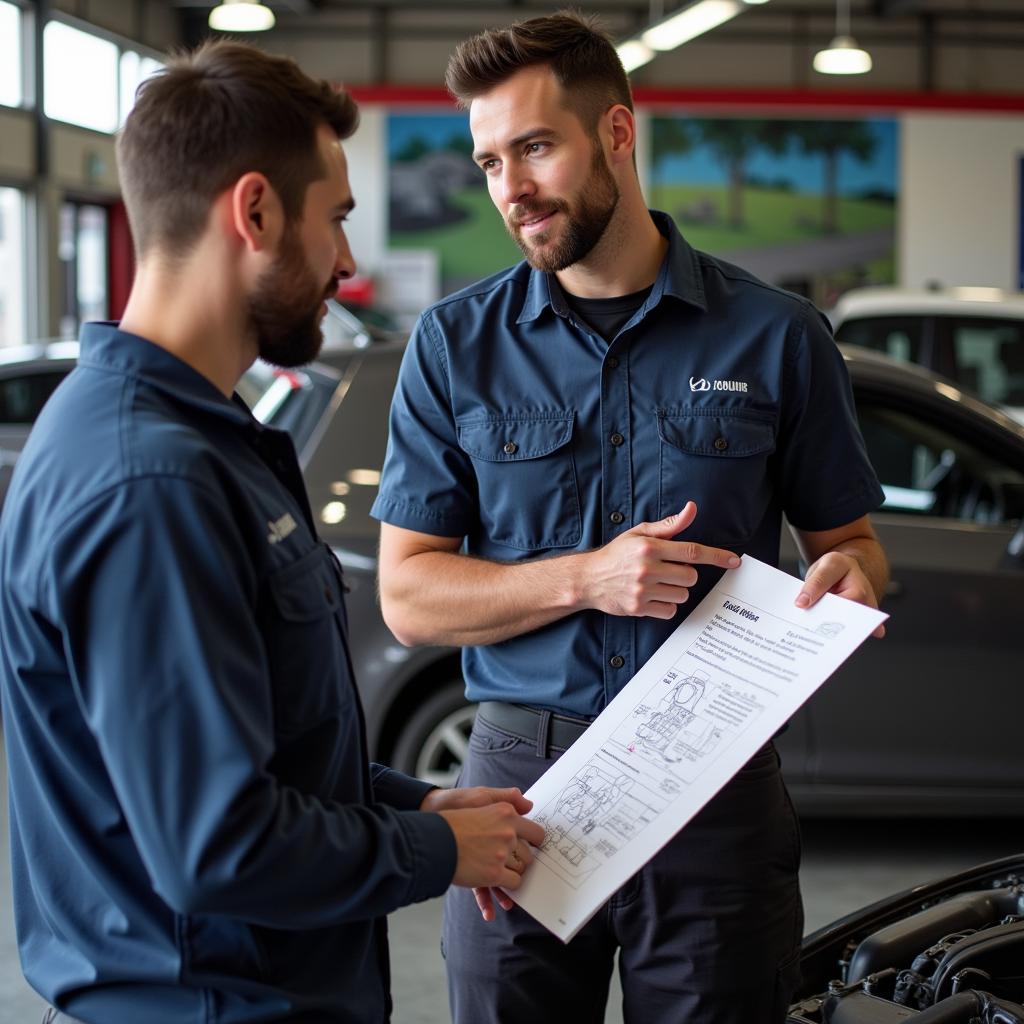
x=434, y=741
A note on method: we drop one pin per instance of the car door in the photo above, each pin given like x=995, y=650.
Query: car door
x=928, y=719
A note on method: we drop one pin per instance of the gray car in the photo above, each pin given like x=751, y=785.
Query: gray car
x=925, y=721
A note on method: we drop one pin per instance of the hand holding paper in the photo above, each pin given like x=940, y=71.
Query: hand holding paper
x=714, y=693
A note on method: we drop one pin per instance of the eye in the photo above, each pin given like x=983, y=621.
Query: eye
x=488, y=165
x=534, y=148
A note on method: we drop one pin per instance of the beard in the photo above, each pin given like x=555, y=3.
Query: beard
x=585, y=221
x=284, y=313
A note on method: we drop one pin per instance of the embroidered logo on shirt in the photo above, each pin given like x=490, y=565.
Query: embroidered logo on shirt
x=280, y=528
x=702, y=384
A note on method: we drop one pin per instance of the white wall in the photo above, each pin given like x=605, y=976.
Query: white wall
x=367, y=171
x=960, y=217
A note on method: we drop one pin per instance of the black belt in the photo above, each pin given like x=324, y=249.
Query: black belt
x=549, y=730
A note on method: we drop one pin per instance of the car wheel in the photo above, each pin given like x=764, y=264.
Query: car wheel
x=434, y=742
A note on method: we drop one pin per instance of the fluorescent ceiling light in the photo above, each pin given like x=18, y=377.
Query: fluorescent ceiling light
x=843, y=57
x=691, y=22
x=634, y=54
x=241, y=16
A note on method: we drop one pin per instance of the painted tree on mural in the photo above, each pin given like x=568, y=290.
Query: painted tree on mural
x=670, y=136
x=830, y=140
x=734, y=141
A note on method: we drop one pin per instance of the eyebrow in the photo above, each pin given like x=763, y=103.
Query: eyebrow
x=527, y=136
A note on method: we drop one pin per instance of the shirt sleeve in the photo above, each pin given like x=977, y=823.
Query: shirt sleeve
x=427, y=483
x=157, y=596
x=398, y=790
x=827, y=479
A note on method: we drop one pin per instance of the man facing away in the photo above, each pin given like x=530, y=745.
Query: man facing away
x=565, y=478
x=196, y=832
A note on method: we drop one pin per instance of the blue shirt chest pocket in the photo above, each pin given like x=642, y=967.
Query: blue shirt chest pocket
x=305, y=643
x=719, y=458
x=526, y=478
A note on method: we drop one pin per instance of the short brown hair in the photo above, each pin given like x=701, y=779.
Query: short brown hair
x=579, y=53
x=211, y=116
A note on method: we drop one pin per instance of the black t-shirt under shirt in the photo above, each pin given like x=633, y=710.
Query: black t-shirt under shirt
x=608, y=316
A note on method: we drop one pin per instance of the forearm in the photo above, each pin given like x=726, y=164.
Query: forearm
x=868, y=554
x=441, y=597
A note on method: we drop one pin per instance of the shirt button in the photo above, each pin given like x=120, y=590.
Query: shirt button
x=616, y=439
x=611, y=362
x=329, y=594
x=617, y=517
x=511, y=448
x=616, y=661
x=721, y=444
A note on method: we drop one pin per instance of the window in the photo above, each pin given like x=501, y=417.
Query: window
x=10, y=55
x=135, y=69
x=989, y=358
x=22, y=398
x=899, y=337
x=82, y=250
x=12, y=267
x=80, y=83
x=926, y=470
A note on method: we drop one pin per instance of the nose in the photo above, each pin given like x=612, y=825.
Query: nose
x=515, y=184
x=344, y=262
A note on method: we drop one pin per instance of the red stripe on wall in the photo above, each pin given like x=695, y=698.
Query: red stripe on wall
x=785, y=99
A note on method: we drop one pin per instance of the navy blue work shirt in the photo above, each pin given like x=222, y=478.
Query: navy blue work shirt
x=196, y=833
x=518, y=428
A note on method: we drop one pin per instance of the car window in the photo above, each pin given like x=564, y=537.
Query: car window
x=927, y=470
x=343, y=473
x=292, y=400
x=22, y=398
x=989, y=358
x=899, y=337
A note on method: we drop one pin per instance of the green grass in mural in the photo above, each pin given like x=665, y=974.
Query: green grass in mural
x=479, y=245
x=772, y=218
x=474, y=247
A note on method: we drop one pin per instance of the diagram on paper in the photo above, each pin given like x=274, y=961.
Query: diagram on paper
x=675, y=730
x=601, y=810
x=686, y=720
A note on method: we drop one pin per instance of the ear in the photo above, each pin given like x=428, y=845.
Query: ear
x=620, y=130
x=256, y=213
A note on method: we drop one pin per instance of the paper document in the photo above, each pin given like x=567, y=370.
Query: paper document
x=710, y=697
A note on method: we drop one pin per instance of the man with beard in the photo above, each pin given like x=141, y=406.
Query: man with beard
x=196, y=832
x=579, y=447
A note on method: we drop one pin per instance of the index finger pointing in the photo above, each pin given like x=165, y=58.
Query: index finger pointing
x=691, y=553
x=531, y=832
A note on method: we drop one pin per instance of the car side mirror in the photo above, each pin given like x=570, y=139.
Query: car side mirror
x=1014, y=557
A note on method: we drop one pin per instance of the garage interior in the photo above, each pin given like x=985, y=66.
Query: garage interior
x=947, y=88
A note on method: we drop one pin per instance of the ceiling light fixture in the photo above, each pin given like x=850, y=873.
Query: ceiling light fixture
x=843, y=56
x=241, y=16
x=677, y=28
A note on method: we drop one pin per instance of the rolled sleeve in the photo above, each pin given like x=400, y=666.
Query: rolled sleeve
x=427, y=480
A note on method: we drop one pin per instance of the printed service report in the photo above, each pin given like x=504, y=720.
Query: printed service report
x=709, y=698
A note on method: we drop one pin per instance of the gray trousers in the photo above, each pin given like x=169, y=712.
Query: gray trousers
x=707, y=933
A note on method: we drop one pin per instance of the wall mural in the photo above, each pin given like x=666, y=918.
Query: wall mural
x=809, y=205
x=438, y=198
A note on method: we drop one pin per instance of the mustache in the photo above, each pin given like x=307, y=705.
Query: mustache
x=523, y=212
